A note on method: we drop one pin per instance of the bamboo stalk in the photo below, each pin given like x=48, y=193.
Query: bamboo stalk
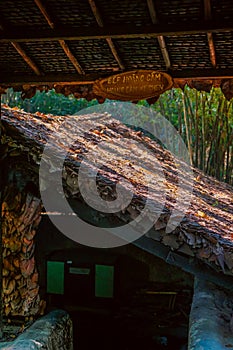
x=228, y=141
x=203, y=147
x=213, y=139
x=187, y=129
x=197, y=119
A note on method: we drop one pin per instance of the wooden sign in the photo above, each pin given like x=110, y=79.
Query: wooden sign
x=133, y=86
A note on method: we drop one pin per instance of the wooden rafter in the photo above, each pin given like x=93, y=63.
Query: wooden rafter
x=23, y=54
x=26, y=58
x=212, y=49
x=152, y=11
x=49, y=78
x=208, y=17
x=71, y=57
x=45, y=13
x=100, y=22
x=164, y=51
x=207, y=10
x=62, y=42
x=115, y=53
x=126, y=31
x=96, y=13
x=161, y=40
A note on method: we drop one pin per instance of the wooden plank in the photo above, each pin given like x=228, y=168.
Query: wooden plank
x=115, y=32
x=100, y=22
x=26, y=58
x=63, y=79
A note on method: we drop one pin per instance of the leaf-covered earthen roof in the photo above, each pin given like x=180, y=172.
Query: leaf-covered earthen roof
x=205, y=232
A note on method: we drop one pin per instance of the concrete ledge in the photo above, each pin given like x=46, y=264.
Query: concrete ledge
x=210, y=322
x=51, y=332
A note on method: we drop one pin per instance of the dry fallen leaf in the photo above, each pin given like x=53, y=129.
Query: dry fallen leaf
x=201, y=214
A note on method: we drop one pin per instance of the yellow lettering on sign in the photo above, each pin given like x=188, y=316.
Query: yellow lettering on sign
x=134, y=85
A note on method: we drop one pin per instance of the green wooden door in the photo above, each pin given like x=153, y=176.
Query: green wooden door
x=104, y=281
x=55, y=277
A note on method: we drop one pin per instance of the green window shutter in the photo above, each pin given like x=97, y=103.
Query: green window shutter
x=55, y=277
x=104, y=281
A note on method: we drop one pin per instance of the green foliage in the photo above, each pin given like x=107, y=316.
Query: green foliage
x=47, y=102
x=205, y=122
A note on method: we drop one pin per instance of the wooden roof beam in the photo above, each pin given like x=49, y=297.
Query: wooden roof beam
x=71, y=57
x=212, y=49
x=207, y=10
x=63, y=78
x=96, y=13
x=164, y=51
x=161, y=40
x=23, y=54
x=45, y=13
x=126, y=31
x=26, y=58
x=100, y=22
x=208, y=17
x=62, y=43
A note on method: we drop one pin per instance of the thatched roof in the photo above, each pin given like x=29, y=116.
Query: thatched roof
x=70, y=44
x=205, y=232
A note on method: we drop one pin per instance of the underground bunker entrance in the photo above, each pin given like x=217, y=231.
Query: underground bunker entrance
x=154, y=316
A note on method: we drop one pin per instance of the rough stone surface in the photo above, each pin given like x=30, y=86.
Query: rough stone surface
x=210, y=318
x=51, y=332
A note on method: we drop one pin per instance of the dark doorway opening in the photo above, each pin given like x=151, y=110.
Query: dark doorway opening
x=152, y=317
